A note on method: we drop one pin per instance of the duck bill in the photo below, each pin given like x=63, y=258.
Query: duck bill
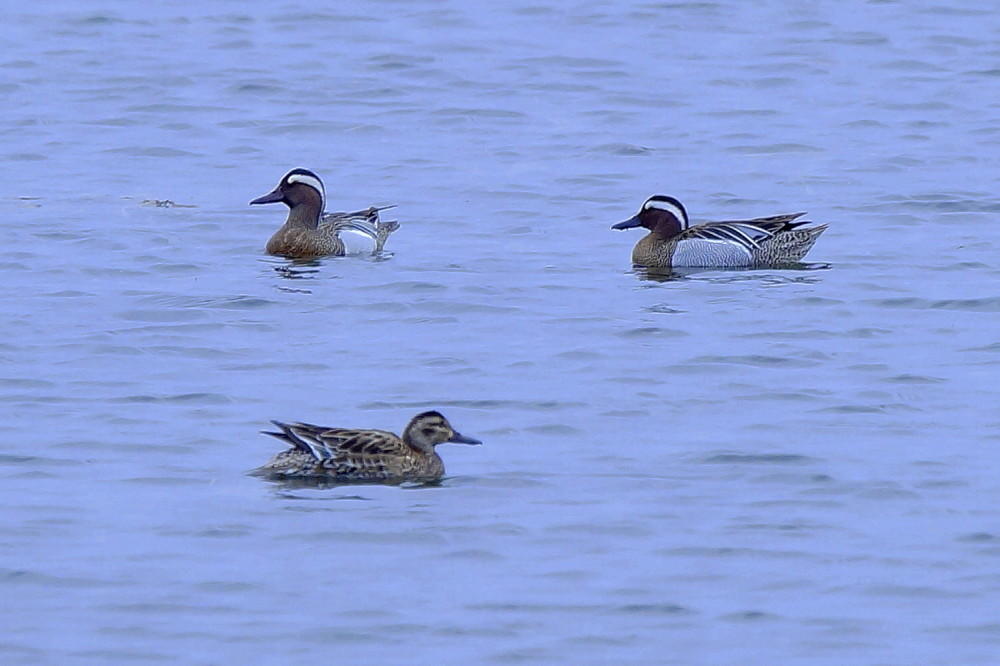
x=629, y=223
x=458, y=438
x=274, y=196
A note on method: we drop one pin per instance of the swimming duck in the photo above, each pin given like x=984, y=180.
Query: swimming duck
x=762, y=241
x=310, y=232
x=363, y=456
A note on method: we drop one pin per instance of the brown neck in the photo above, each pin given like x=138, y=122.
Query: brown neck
x=425, y=449
x=666, y=227
x=303, y=216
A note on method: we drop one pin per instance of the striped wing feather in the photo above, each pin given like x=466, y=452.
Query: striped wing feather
x=366, y=222
x=358, y=455
x=363, y=221
x=326, y=443
x=772, y=223
x=748, y=233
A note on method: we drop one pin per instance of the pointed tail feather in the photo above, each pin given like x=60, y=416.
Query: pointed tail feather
x=289, y=435
x=284, y=435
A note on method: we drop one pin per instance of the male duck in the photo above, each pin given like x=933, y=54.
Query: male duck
x=762, y=241
x=310, y=232
x=363, y=456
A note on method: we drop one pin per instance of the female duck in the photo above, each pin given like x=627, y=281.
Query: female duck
x=308, y=231
x=363, y=456
x=762, y=241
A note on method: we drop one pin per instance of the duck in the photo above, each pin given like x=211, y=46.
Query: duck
x=755, y=243
x=343, y=455
x=310, y=232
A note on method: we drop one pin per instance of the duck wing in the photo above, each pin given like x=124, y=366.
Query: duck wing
x=772, y=223
x=338, y=444
x=732, y=243
x=747, y=233
x=740, y=236
x=366, y=222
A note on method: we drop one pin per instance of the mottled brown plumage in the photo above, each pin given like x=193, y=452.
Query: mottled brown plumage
x=345, y=455
x=308, y=231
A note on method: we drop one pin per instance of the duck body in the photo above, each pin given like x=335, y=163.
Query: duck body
x=759, y=242
x=308, y=232
x=298, y=241
x=344, y=455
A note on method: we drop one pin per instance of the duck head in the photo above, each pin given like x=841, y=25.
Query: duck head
x=662, y=214
x=298, y=187
x=428, y=429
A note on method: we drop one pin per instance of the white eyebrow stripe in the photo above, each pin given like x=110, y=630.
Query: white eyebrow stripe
x=311, y=181
x=668, y=206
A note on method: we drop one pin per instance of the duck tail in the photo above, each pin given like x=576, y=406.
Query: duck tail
x=795, y=225
x=382, y=232
x=290, y=436
x=803, y=239
x=809, y=233
x=285, y=435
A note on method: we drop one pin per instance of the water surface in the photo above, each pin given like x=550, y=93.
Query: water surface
x=731, y=467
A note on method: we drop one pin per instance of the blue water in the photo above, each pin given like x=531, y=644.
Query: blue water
x=761, y=467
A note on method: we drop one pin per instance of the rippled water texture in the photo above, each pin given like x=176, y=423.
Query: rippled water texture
x=767, y=467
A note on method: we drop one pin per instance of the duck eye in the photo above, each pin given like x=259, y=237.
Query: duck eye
x=427, y=432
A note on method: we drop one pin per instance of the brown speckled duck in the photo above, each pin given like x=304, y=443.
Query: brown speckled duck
x=308, y=231
x=672, y=243
x=342, y=455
